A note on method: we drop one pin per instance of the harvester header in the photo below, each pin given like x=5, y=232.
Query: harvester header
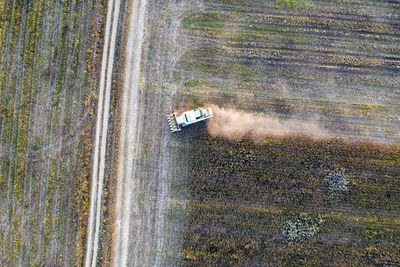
x=176, y=123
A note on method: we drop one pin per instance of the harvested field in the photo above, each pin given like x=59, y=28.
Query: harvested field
x=49, y=52
x=335, y=63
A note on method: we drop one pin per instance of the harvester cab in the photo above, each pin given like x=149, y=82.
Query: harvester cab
x=176, y=123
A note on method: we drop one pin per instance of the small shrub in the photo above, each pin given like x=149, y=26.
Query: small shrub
x=303, y=227
x=336, y=180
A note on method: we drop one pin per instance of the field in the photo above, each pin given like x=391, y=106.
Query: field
x=242, y=195
x=194, y=199
x=336, y=63
x=333, y=63
x=191, y=198
x=49, y=53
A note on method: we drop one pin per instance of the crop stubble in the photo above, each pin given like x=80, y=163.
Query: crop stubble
x=335, y=63
x=49, y=53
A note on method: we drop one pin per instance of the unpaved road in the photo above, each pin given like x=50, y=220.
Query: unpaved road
x=150, y=158
x=103, y=111
x=129, y=137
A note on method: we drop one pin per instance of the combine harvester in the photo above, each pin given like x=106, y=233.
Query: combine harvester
x=187, y=118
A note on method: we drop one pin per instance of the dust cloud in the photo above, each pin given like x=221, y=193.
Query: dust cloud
x=235, y=124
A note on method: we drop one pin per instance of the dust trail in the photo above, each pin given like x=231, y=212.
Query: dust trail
x=235, y=124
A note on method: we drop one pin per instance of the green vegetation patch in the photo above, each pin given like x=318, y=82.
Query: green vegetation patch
x=206, y=19
x=192, y=83
x=291, y=4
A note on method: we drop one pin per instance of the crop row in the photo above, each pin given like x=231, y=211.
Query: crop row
x=49, y=54
x=299, y=62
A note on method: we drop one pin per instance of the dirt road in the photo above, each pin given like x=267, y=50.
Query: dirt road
x=103, y=111
x=129, y=137
x=150, y=158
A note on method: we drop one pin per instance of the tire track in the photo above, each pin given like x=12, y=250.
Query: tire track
x=102, y=120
